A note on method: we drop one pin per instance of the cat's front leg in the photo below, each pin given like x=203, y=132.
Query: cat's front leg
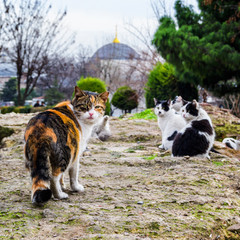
x=73, y=175
x=57, y=188
x=62, y=182
x=161, y=146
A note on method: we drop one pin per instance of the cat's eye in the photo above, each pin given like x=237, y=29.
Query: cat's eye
x=83, y=107
x=98, y=107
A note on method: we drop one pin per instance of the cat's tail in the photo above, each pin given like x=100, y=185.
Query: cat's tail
x=39, y=165
x=41, y=192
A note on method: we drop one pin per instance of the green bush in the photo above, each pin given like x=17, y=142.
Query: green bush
x=94, y=85
x=5, y=132
x=125, y=99
x=25, y=109
x=5, y=110
x=40, y=109
x=163, y=84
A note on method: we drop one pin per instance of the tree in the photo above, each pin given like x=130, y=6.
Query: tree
x=125, y=99
x=205, y=47
x=62, y=69
x=9, y=91
x=33, y=34
x=53, y=96
x=163, y=85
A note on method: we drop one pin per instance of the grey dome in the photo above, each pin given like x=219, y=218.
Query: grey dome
x=118, y=51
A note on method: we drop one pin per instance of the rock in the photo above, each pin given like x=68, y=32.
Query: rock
x=234, y=228
x=140, y=202
x=47, y=213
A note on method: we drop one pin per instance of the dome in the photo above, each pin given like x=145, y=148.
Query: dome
x=117, y=51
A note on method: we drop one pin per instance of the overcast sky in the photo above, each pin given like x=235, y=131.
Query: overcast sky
x=95, y=21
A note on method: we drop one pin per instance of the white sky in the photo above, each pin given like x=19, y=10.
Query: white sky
x=95, y=21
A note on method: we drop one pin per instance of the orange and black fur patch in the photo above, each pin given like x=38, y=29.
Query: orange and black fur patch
x=52, y=140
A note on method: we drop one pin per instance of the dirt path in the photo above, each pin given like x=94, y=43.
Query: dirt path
x=132, y=191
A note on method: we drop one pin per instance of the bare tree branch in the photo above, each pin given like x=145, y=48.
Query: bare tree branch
x=33, y=37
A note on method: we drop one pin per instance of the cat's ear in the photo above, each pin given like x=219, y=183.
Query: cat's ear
x=104, y=96
x=79, y=92
x=184, y=102
x=195, y=104
x=169, y=102
x=155, y=101
x=179, y=99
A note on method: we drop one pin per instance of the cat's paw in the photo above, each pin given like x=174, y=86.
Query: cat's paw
x=77, y=188
x=61, y=195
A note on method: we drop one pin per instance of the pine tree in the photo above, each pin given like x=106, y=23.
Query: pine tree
x=204, y=47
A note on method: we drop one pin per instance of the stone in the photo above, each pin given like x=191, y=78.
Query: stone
x=234, y=228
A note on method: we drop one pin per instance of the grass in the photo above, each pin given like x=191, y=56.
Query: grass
x=147, y=114
x=152, y=157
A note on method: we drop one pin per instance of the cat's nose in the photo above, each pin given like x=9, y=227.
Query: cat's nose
x=91, y=114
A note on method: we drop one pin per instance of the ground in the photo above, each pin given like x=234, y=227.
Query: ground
x=132, y=190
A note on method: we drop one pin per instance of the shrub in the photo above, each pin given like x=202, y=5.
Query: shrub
x=5, y=110
x=94, y=85
x=163, y=84
x=5, y=132
x=25, y=109
x=40, y=109
x=125, y=99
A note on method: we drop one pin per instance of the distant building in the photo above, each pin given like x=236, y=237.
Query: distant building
x=116, y=64
x=7, y=71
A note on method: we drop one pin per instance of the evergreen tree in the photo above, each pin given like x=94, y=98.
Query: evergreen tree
x=204, y=47
x=9, y=92
x=163, y=85
x=53, y=96
x=125, y=99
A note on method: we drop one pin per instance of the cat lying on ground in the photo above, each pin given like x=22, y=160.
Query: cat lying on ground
x=169, y=122
x=54, y=141
x=197, y=137
x=232, y=143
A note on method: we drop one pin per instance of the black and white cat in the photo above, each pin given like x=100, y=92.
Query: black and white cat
x=177, y=103
x=197, y=137
x=232, y=143
x=169, y=122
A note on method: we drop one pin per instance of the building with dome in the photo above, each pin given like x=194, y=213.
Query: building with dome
x=114, y=63
x=115, y=51
x=118, y=64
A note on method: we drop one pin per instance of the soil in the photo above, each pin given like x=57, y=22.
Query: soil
x=132, y=190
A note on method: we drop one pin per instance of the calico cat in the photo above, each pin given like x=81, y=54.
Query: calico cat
x=177, y=103
x=197, y=137
x=232, y=143
x=54, y=141
x=169, y=122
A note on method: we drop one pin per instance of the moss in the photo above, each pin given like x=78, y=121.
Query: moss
x=226, y=129
x=217, y=163
x=5, y=132
x=152, y=157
